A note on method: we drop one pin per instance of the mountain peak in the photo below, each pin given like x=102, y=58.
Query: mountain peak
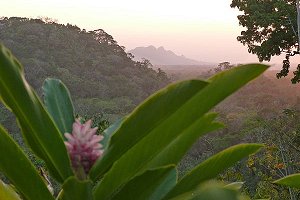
x=150, y=47
x=161, y=48
x=161, y=56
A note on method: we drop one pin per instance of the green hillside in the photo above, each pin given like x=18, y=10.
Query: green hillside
x=101, y=76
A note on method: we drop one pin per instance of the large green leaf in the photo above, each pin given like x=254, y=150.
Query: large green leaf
x=39, y=130
x=59, y=104
x=108, y=133
x=184, y=117
x=174, y=151
x=290, y=181
x=151, y=185
x=19, y=170
x=144, y=119
x=212, y=167
x=7, y=193
x=32, y=140
x=210, y=191
x=74, y=189
x=150, y=153
x=178, y=104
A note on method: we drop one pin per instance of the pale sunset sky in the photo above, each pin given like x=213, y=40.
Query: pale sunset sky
x=204, y=30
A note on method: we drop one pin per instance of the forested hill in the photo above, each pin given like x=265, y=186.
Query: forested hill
x=99, y=73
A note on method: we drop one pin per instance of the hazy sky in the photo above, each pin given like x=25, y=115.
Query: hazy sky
x=205, y=30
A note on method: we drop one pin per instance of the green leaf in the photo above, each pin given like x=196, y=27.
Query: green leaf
x=235, y=185
x=151, y=185
x=144, y=119
x=38, y=129
x=210, y=191
x=174, y=151
x=7, y=193
x=212, y=167
x=108, y=133
x=152, y=152
x=181, y=119
x=59, y=104
x=74, y=189
x=19, y=170
x=290, y=181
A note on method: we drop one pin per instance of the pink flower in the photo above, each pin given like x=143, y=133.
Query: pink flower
x=83, y=145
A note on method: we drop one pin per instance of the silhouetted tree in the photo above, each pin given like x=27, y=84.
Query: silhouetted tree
x=272, y=28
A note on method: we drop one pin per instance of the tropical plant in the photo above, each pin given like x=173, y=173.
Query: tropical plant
x=139, y=153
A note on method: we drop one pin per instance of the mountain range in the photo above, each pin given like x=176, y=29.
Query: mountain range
x=161, y=56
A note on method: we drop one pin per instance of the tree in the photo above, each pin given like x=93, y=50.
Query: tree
x=272, y=28
x=223, y=66
x=162, y=74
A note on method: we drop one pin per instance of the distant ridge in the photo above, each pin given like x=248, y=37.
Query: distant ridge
x=160, y=56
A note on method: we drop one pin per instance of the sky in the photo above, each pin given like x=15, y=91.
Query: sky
x=204, y=30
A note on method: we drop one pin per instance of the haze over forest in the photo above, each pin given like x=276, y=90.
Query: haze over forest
x=161, y=56
x=200, y=30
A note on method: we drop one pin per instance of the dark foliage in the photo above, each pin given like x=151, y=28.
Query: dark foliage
x=271, y=29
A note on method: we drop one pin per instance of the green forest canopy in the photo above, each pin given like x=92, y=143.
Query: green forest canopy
x=101, y=76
